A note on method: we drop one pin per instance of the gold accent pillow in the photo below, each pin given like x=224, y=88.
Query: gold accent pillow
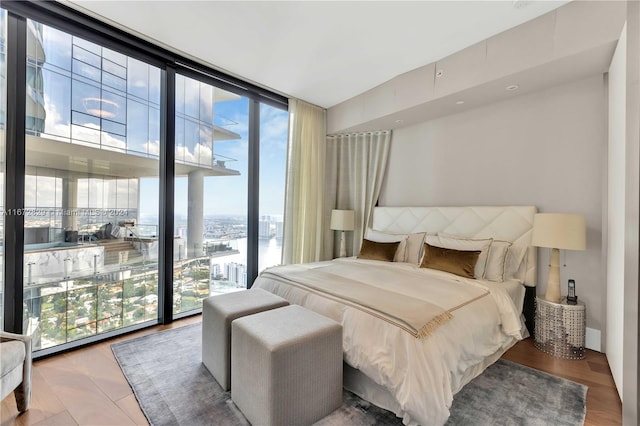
x=378, y=251
x=459, y=262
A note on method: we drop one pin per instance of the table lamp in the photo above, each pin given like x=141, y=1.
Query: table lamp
x=342, y=220
x=558, y=231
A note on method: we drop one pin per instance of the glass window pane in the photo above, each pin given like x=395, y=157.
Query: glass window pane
x=191, y=98
x=122, y=194
x=95, y=193
x=85, y=98
x=115, y=128
x=86, y=56
x=88, y=71
x=138, y=81
x=210, y=213
x=30, y=191
x=46, y=192
x=137, y=126
x=274, y=124
x=91, y=259
x=58, y=123
x=113, y=107
x=154, y=131
x=180, y=82
x=116, y=58
x=87, y=45
x=83, y=193
x=154, y=85
x=113, y=81
x=180, y=148
x=115, y=69
x=206, y=103
x=56, y=43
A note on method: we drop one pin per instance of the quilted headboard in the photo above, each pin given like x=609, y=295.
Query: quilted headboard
x=508, y=223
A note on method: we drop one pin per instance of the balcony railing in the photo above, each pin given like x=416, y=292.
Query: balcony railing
x=85, y=303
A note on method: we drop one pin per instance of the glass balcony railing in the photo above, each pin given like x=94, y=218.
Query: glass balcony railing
x=87, y=303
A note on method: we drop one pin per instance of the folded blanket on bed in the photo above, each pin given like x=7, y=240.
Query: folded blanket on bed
x=417, y=316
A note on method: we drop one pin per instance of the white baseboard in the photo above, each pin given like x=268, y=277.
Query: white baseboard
x=593, y=339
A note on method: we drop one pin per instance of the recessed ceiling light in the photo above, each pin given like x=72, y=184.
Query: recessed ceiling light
x=460, y=102
x=399, y=121
x=512, y=87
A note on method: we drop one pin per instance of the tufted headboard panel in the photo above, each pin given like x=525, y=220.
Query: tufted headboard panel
x=508, y=223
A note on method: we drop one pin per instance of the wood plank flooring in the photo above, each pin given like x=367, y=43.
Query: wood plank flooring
x=87, y=387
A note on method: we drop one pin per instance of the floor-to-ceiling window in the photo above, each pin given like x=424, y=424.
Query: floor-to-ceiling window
x=103, y=112
x=92, y=135
x=97, y=251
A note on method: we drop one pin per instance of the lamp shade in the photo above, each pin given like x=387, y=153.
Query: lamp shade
x=561, y=231
x=342, y=220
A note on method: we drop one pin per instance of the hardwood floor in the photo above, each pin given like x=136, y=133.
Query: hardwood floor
x=87, y=387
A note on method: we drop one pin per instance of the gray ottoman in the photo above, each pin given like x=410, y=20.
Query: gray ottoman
x=217, y=313
x=287, y=366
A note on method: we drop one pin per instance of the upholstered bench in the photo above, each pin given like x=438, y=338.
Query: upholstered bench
x=287, y=366
x=217, y=314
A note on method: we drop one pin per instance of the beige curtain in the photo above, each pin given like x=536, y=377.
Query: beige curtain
x=356, y=165
x=304, y=221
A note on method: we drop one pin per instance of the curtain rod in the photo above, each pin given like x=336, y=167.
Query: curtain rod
x=373, y=132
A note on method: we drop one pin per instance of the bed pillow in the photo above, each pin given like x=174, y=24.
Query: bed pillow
x=465, y=244
x=497, y=261
x=459, y=262
x=515, y=257
x=415, y=247
x=383, y=237
x=378, y=251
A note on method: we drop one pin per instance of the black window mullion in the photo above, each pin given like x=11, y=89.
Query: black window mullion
x=166, y=196
x=253, y=177
x=15, y=173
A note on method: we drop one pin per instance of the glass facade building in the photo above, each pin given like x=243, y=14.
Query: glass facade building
x=144, y=183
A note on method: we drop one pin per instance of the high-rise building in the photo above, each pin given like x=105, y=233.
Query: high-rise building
x=264, y=230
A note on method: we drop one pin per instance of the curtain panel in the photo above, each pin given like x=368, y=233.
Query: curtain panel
x=356, y=165
x=304, y=219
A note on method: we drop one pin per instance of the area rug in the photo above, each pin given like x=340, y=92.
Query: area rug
x=174, y=388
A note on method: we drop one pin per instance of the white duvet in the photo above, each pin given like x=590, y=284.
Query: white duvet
x=421, y=374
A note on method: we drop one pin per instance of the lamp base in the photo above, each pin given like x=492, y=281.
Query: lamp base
x=343, y=245
x=553, y=280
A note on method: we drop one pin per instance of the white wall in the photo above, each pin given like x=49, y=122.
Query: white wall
x=616, y=211
x=546, y=149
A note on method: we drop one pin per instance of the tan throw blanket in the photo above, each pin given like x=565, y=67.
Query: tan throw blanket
x=414, y=315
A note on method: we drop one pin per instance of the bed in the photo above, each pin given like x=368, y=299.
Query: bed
x=437, y=330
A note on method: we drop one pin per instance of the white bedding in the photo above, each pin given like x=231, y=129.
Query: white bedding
x=421, y=374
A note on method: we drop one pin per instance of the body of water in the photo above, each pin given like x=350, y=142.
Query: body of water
x=269, y=253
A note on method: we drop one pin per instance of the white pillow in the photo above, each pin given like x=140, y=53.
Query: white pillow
x=496, y=261
x=463, y=243
x=383, y=237
x=515, y=257
x=415, y=248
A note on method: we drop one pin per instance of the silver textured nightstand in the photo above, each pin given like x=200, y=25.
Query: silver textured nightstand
x=560, y=328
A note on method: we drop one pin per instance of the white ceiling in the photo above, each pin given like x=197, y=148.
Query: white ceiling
x=323, y=52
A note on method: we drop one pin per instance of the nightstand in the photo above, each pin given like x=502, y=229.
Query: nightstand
x=560, y=328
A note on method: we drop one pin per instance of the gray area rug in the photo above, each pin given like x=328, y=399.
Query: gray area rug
x=174, y=388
